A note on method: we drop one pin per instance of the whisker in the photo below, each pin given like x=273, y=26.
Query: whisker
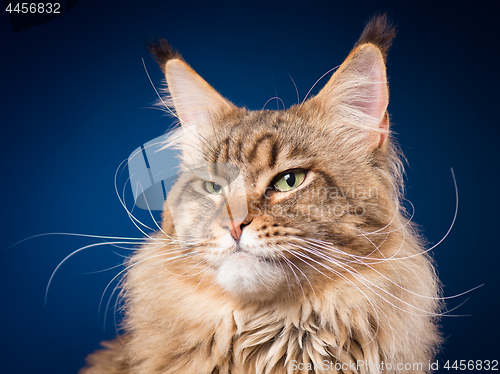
x=290, y=264
x=272, y=98
x=74, y=234
x=296, y=90
x=147, y=258
x=167, y=107
x=67, y=258
x=361, y=278
x=299, y=256
x=103, y=270
x=131, y=216
x=395, y=283
x=315, y=83
x=447, y=232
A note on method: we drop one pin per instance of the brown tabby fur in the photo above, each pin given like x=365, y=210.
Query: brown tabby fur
x=354, y=286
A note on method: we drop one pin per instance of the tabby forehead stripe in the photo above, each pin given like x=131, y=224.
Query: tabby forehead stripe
x=253, y=153
x=220, y=152
x=273, y=155
x=226, y=150
x=239, y=151
x=215, y=156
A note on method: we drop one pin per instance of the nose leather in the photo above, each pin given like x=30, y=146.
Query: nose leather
x=234, y=226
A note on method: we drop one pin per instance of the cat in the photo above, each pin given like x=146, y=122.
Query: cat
x=283, y=245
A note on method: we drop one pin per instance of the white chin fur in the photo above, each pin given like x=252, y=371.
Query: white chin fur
x=245, y=275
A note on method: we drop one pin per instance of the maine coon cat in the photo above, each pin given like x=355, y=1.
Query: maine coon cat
x=283, y=246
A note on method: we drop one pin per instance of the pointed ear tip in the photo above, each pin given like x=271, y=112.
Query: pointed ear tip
x=175, y=64
x=370, y=48
x=370, y=53
x=175, y=61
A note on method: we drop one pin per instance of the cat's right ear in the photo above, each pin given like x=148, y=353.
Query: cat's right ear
x=355, y=98
x=196, y=103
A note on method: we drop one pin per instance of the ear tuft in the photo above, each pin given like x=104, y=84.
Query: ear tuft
x=161, y=51
x=378, y=31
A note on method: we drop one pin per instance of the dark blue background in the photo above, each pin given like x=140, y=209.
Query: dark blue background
x=76, y=101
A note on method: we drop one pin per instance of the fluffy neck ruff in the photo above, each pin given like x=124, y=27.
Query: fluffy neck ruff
x=178, y=322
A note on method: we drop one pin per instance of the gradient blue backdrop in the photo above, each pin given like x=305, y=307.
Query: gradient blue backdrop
x=76, y=101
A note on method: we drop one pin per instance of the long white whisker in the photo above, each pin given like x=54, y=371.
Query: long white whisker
x=299, y=255
x=159, y=96
x=296, y=89
x=148, y=258
x=315, y=83
x=447, y=232
x=290, y=264
x=75, y=234
x=131, y=216
x=272, y=98
x=66, y=258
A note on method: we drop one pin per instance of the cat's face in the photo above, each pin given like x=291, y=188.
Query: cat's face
x=270, y=200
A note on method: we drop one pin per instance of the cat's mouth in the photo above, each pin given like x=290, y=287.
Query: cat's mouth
x=245, y=254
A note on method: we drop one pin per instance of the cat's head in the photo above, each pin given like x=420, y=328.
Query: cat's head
x=273, y=200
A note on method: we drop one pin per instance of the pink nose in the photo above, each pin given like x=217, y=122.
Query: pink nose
x=235, y=226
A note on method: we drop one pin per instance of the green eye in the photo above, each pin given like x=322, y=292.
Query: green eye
x=213, y=188
x=289, y=180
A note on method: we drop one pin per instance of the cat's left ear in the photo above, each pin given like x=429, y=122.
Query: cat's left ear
x=194, y=100
x=357, y=95
x=197, y=104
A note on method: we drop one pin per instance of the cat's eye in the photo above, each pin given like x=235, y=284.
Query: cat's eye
x=213, y=188
x=289, y=180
